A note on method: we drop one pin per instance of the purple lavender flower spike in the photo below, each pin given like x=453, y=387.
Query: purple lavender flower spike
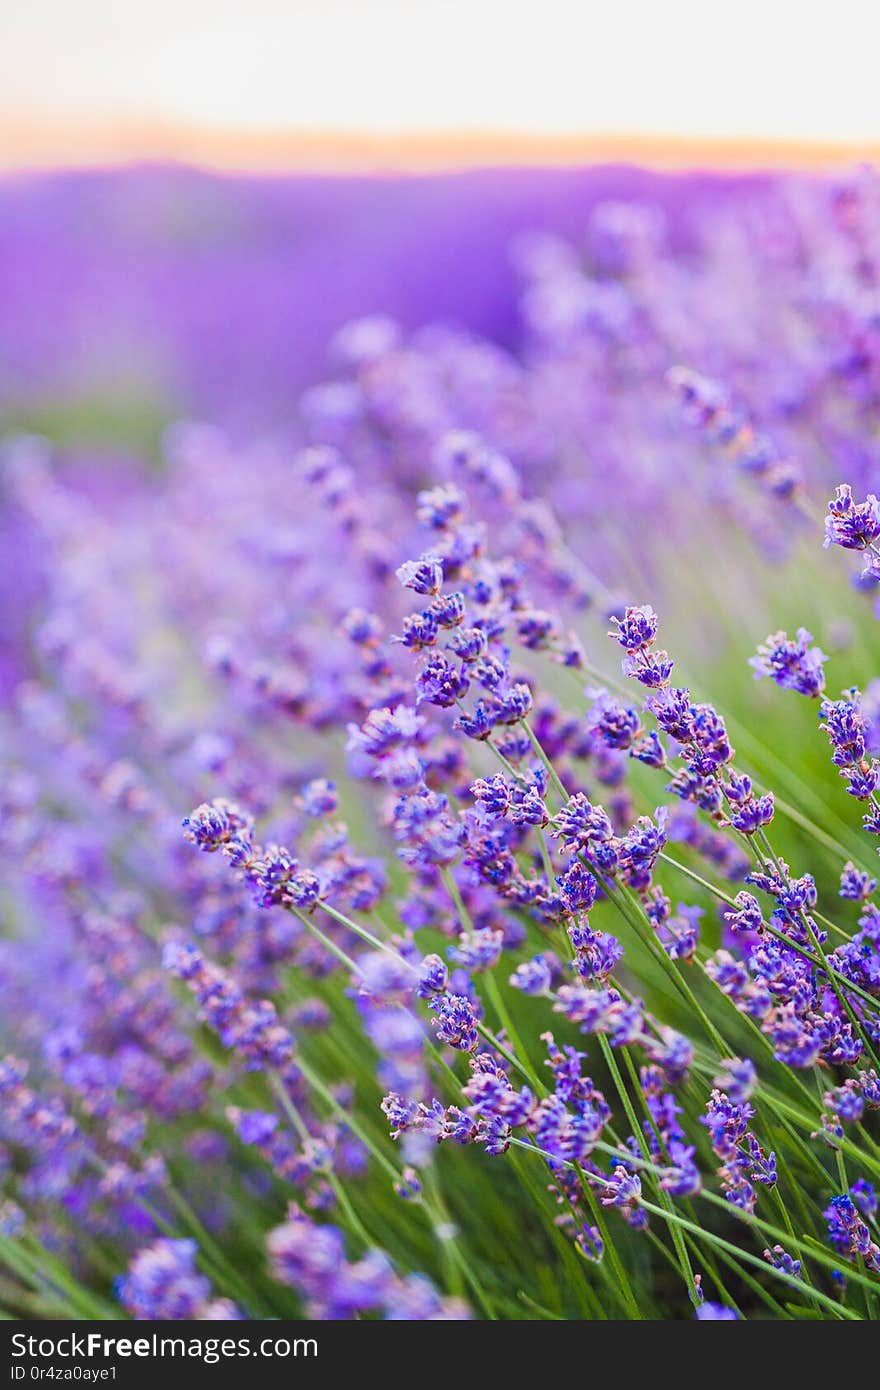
x=425, y=576
x=792, y=663
x=852, y=525
x=716, y=1312
x=163, y=1282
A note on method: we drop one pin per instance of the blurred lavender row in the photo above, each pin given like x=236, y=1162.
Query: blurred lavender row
x=559, y=313
x=218, y=294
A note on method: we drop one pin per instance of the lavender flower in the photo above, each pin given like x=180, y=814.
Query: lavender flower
x=848, y=1233
x=425, y=576
x=455, y=1021
x=791, y=662
x=715, y=1312
x=163, y=1282
x=852, y=525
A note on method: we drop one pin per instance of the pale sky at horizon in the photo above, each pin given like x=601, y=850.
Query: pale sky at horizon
x=764, y=69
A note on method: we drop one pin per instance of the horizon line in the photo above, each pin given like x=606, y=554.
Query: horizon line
x=33, y=147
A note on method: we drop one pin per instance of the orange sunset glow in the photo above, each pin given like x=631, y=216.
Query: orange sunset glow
x=341, y=85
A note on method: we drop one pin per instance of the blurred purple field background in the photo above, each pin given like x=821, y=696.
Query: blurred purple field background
x=216, y=294
x=136, y=297
x=133, y=297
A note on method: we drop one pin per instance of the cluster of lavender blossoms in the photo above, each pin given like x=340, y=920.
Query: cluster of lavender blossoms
x=393, y=932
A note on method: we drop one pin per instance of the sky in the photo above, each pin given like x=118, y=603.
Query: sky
x=771, y=70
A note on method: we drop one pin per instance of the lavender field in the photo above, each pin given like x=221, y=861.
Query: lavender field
x=440, y=732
